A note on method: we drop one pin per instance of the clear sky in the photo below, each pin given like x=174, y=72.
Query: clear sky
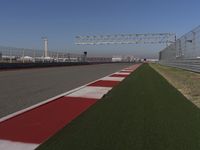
x=24, y=22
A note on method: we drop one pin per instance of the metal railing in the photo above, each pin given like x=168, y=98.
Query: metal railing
x=184, y=53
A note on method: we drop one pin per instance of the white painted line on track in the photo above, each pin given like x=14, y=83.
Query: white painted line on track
x=11, y=145
x=92, y=92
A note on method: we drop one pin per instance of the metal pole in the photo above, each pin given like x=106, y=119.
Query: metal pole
x=57, y=57
x=194, y=43
x=10, y=55
x=23, y=55
x=185, y=46
x=34, y=54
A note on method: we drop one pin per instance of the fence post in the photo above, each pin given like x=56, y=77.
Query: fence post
x=194, y=42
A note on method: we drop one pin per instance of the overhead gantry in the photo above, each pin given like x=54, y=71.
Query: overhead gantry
x=148, y=38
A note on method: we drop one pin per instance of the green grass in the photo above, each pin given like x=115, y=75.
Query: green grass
x=144, y=113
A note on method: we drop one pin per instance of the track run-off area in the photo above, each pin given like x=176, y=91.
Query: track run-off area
x=134, y=108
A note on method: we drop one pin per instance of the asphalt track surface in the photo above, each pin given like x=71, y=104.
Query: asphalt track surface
x=20, y=89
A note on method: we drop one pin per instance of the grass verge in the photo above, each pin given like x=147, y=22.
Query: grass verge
x=143, y=113
x=187, y=82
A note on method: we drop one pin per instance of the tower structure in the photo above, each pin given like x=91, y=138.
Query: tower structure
x=45, y=46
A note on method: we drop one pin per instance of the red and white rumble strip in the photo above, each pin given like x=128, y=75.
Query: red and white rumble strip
x=28, y=128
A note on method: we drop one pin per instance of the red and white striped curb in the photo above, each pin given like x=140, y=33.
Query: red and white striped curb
x=28, y=128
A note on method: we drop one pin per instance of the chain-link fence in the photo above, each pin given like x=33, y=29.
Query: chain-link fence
x=23, y=55
x=184, y=53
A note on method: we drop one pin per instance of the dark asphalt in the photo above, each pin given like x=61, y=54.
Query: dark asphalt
x=22, y=88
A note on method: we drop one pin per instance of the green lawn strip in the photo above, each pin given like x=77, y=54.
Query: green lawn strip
x=143, y=113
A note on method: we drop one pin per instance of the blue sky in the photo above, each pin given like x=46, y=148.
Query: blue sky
x=24, y=22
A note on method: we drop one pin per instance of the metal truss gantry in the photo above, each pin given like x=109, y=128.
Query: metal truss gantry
x=148, y=38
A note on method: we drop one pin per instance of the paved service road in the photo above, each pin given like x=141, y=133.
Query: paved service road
x=22, y=88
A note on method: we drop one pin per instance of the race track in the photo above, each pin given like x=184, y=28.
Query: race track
x=24, y=88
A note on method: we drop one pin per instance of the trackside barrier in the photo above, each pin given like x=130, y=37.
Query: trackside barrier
x=184, y=53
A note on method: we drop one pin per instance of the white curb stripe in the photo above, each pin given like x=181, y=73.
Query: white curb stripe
x=122, y=73
x=92, y=92
x=113, y=78
x=10, y=145
x=128, y=70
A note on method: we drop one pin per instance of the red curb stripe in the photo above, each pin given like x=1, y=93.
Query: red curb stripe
x=105, y=83
x=126, y=71
x=119, y=75
x=37, y=125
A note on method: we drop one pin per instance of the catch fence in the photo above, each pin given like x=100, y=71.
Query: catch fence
x=184, y=53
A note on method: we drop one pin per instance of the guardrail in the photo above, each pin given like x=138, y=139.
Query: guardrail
x=187, y=64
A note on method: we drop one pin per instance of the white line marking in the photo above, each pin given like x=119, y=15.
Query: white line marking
x=93, y=92
x=10, y=145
